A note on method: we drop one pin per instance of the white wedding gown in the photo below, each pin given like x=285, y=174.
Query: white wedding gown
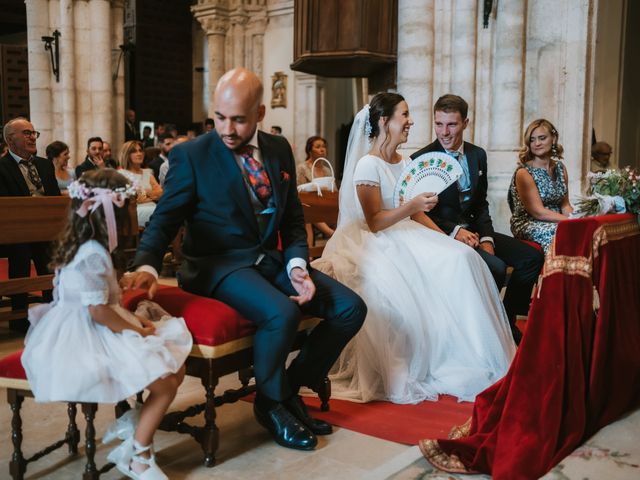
x=435, y=323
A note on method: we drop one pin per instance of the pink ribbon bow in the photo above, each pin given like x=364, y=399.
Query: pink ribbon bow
x=107, y=198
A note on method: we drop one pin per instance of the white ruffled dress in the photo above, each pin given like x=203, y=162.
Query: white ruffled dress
x=70, y=357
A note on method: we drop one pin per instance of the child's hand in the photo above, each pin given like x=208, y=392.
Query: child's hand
x=145, y=321
x=146, y=331
x=143, y=279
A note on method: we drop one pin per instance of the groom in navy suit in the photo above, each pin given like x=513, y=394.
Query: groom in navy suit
x=235, y=188
x=463, y=211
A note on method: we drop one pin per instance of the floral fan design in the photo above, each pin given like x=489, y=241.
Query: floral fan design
x=430, y=172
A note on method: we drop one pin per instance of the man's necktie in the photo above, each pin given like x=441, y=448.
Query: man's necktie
x=34, y=176
x=464, y=182
x=256, y=175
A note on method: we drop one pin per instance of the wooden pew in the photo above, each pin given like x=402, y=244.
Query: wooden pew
x=41, y=219
x=318, y=210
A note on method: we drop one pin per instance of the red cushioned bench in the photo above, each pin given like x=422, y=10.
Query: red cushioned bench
x=222, y=344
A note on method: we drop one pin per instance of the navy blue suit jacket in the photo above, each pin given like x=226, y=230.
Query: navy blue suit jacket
x=205, y=188
x=449, y=213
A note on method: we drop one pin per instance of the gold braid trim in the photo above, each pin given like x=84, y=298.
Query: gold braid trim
x=442, y=461
x=583, y=266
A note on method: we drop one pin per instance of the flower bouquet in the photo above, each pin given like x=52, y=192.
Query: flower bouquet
x=613, y=191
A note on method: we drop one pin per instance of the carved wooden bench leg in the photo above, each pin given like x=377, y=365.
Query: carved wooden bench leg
x=17, y=465
x=73, y=434
x=90, y=470
x=210, y=435
x=245, y=375
x=324, y=392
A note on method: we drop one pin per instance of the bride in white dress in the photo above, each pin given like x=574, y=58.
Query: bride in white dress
x=435, y=323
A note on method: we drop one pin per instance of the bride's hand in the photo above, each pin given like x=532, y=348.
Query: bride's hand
x=424, y=202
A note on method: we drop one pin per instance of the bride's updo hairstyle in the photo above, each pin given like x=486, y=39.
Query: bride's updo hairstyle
x=382, y=105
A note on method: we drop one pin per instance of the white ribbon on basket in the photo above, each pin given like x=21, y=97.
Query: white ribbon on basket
x=320, y=183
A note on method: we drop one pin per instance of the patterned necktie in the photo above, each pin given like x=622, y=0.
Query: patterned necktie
x=256, y=175
x=34, y=176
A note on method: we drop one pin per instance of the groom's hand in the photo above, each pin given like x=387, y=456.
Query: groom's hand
x=131, y=280
x=488, y=247
x=465, y=236
x=303, y=284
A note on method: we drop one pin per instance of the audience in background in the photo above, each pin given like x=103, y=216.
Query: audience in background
x=131, y=131
x=94, y=159
x=131, y=159
x=600, y=156
x=276, y=130
x=107, y=156
x=164, y=168
x=147, y=141
x=165, y=143
x=209, y=125
x=315, y=148
x=58, y=154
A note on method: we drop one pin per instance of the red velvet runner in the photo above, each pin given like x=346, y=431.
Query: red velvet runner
x=574, y=372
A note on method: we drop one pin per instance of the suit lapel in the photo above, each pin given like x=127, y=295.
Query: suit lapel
x=472, y=163
x=19, y=180
x=272, y=166
x=225, y=161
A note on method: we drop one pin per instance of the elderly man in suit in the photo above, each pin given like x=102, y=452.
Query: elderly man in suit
x=235, y=188
x=23, y=174
x=463, y=210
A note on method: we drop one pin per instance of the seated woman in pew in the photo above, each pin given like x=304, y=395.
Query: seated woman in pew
x=131, y=159
x=539, y=194
x=85, y=347
x=58, y=153
x=315, y=148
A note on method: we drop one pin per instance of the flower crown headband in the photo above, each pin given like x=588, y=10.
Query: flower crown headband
x=93, y=197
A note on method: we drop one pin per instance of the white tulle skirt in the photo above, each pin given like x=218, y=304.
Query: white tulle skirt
x=435, y=322
x=70, y=357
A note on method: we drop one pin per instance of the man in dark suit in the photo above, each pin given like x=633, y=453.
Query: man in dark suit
x=94, y=159
x=463, y=211
x=23, y=174
x=131, y=131
x=235, y=188
x=165, y=142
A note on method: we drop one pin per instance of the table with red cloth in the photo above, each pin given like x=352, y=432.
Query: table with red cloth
x=578, y=366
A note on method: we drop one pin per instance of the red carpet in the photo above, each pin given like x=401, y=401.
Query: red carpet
x=398, y=423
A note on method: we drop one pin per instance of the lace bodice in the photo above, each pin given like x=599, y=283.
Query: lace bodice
x=372, y=170
x=89, y=279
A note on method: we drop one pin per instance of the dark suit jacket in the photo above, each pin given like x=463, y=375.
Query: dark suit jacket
x=449, y=213
x=206, y=188
x=130, y=132
x=155, y=165
x=85, y=167
x=12, y=183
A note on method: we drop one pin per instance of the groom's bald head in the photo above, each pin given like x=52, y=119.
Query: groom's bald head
x=238, y=106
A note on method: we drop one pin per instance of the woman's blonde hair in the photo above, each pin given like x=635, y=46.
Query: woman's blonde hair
x=124, y=157
x=525, y=155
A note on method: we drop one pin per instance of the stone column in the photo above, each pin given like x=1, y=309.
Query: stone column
x=213, y=15
x=254, y=52
x=117, y=84
x=83, y=67
x=463, y=65
x=68, y=79
x=40, y=73
x=101, y=92
x=415, y=65
x=309, y=110
x=508, y=81
x=238, y=20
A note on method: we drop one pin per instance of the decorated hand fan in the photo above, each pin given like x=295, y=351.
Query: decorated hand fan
x=430, y=172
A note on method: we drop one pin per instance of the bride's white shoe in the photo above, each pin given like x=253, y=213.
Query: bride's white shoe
x=153, y=471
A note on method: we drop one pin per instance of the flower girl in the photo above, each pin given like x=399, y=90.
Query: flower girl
x=85, y=347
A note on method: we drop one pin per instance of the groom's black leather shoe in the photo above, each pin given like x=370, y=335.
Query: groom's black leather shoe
x=296, y=406
x=285, y=429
